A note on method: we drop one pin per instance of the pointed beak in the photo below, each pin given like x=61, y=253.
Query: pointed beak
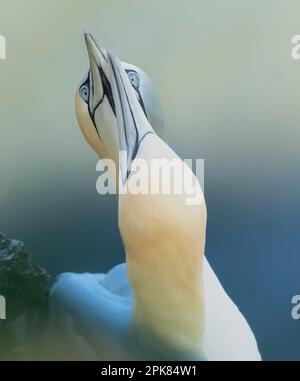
x=133, y=125
x=98, y=68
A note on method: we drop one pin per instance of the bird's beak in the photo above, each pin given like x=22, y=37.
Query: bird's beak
x=98, y=69
x=133, y=125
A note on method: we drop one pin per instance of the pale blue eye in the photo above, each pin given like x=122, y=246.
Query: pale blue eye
x=84, y=92
x=134, y=79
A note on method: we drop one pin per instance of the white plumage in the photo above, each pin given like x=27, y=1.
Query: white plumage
x=171, y=306
x=94, y=312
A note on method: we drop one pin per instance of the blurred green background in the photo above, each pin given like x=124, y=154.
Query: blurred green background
x=230, y=91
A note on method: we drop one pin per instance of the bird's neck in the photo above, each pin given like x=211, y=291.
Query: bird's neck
x=164, y=241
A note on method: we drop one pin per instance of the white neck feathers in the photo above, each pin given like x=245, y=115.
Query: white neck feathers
x=164, y=240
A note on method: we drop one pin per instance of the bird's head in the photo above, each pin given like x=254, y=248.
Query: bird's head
x=95, y=107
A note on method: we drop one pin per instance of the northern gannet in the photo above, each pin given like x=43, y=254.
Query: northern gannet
x=165, y=302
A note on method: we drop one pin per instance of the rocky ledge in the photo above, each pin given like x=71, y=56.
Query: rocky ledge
x=23, y=283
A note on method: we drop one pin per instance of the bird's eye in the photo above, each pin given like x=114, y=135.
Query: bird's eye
x=84, y=93
x=134, y=79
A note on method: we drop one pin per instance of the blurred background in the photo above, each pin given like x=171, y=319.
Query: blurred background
x=230, y=92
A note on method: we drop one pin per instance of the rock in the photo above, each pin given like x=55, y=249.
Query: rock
x=24, y=284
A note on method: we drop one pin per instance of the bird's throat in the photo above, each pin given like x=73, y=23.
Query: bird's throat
x=164, y=240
